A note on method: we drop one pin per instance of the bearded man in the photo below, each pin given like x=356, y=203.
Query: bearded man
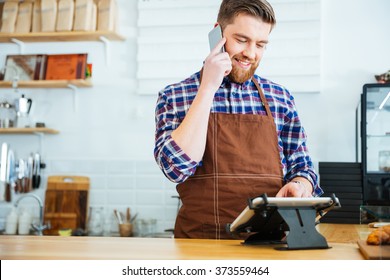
x=225, y=134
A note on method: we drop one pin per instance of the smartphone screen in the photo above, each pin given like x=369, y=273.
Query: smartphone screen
x=215, y=36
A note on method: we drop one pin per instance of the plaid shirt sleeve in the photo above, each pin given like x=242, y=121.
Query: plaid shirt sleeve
x=173, y=161
x=296, y=157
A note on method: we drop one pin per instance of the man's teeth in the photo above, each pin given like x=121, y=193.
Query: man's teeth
x=244, y=63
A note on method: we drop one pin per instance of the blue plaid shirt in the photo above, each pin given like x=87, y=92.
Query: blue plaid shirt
x=232, y=98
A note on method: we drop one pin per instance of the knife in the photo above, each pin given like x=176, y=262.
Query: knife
x=30, y=163
x=19, y=188
x=3, y=162
x=36, y=178
x=10, y=175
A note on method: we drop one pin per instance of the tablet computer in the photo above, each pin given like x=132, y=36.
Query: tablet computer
x=320, y=204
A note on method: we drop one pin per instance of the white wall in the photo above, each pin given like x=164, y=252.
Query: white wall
x=109, y=134
x=355, y=46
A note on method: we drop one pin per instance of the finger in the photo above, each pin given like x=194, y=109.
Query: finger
x=218, y=58
x=228, y=68
x=280, y=193
x=218, y=46
x=307, y=194
x=227, y=72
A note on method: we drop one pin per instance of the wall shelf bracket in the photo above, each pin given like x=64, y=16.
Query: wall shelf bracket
x=106, y=43
x=20, y=44
x=74, y=91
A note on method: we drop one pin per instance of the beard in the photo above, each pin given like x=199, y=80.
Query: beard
x=238, y=75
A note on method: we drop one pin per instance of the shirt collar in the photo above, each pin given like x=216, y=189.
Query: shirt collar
x=226, y=81
x=245, y=85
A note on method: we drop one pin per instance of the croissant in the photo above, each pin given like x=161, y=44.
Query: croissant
x=380, y=236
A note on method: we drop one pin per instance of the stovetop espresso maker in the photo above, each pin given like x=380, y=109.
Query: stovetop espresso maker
x=22, y=107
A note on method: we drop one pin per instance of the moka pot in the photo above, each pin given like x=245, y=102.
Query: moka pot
x=22, y=108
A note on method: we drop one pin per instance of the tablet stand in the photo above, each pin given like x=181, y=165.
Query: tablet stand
x=270, y=223
x=302, y=234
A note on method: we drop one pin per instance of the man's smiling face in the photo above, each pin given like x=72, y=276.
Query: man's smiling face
x=246, y=39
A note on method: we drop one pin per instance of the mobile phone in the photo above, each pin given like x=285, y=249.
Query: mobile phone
x=215, y=36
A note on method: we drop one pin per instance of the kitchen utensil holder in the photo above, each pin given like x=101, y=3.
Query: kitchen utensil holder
x=270, y=223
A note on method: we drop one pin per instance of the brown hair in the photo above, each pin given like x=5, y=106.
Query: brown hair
x=229, y=9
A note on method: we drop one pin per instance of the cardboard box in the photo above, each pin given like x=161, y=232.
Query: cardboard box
x=66, y=66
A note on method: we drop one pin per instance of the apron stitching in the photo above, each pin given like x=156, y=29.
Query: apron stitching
x=216, y=177
x=216, y=164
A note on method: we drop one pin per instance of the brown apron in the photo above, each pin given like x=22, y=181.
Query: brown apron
x=241, y=161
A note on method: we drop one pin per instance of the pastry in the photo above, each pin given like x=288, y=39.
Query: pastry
x=380, y=236
x=383, y=78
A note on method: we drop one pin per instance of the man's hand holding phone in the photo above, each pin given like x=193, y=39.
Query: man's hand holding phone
x=215, y=36
x=218, y=63
x=192, y=132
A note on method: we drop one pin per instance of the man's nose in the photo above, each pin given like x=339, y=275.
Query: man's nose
x=250, y=51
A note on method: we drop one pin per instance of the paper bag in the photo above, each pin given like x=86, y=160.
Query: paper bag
x=65, y=15
x=8, y=19
x=106, y=15
x=23, y=21
x=83, y=15
x=36, y=17
x=48, y=15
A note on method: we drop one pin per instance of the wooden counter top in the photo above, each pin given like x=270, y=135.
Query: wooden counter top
x=342, y=239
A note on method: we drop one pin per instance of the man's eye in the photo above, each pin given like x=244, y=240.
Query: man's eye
x=241, y=41
x=261, y=46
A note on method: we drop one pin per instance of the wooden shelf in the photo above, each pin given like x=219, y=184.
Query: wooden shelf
x=28, y=130
x=48, y=84
x=70, y=36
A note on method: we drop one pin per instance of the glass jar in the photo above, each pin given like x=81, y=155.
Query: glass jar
x=384, y=161
x=11, y=222
x=95, y=221
x=7, y=115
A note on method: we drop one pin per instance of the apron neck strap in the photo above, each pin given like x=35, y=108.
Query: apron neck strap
x=262, y=97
